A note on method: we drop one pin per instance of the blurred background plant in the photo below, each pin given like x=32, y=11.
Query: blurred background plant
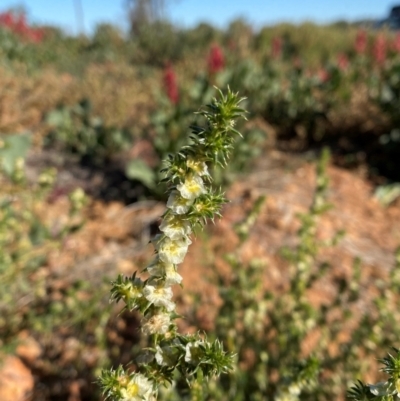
x=31, y=307
x=75, y=129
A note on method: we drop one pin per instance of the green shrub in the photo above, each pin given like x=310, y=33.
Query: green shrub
x=76, y=130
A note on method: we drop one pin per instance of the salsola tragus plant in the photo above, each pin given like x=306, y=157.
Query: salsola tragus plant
x=191, y=202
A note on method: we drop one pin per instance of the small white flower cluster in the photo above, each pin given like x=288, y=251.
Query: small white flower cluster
x=291, y=392
x=138, y=388
x=171, y=247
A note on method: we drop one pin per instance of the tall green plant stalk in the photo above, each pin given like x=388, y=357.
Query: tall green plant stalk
x=191, y=203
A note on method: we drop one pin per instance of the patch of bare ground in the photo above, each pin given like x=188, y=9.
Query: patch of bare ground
x=288, y=182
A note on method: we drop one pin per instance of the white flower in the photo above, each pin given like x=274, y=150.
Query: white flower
x=193, y=352
x=199, y=167
x=285, y=396
x=166, y=356
x=156, y=324
x=178, y=204
x=175, y=227
x=192, y=188
x=159, y=296
x=159, y=356
x=381, y=389
x=158, y=268
x=172, y=277
x=139, y=388
x=295, y=389
x=173, y=251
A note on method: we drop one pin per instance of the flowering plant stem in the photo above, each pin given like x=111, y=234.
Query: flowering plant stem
x=191, y=203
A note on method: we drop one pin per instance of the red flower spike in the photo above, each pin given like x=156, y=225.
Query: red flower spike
x=360, y=44
x=170, y=84
x=17, y=24
x=277, y=45
x=342, y=62
x=379, y=49
x=323, y=75
x=216, y=60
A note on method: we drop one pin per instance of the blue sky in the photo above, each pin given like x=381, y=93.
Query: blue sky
x=218, y=12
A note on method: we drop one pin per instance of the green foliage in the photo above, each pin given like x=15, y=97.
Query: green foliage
x=312, y=43
x=156, y=43
x=13, y=148
x=386, y=93
x=75, y=129
x=11, y=48
x=169, y=125
x=201, y=36
x=299, y=105
x=26, y=241
x=15, y=51
x=137, y=169
x=386, y=194
x=29, y=302
x=107, y=43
